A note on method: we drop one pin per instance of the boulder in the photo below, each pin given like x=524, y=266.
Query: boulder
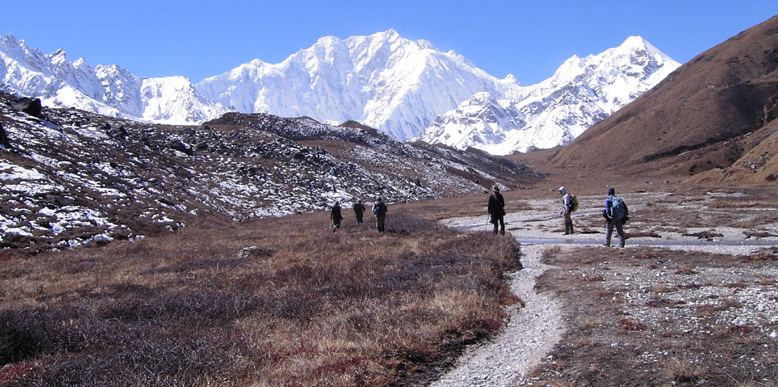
x=4, y=142
x=255, y=251
x=31, y=106
x=181, y=147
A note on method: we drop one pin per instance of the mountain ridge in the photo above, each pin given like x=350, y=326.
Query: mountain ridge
x=555, y=111
x=703, y=119
x=383, y=80
x=70, y=177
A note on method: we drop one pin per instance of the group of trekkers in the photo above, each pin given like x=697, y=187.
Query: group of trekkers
x=379, y=210
x=615, y=213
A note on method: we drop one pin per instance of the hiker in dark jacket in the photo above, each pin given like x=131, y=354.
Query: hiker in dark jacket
x=496, y=208
x=380, y=210
x=359, y=210
x=336, y=217
x=567, y=209
x=615, y=217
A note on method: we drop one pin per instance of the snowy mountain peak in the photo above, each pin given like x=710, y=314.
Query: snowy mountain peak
x=108, y=90
x=383, y=80
x=636, y=44
x=481, y=119
x=555, y=111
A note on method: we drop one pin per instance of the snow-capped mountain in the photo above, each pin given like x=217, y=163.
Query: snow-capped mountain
x=555, y=111
x=107, y=90
x=480, y=120
x=396, y=85
x=383, y=80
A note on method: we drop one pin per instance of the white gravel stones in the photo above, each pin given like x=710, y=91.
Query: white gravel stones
x=531, y=332
x=535, y=329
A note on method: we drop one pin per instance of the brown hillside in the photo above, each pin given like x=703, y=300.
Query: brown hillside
x=700, y=118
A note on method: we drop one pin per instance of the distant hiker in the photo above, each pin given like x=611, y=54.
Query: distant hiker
x=567, y=210
x=336, y=217
x=615, y=213
x=380, y=210
x=496, y=209
x=359, y=209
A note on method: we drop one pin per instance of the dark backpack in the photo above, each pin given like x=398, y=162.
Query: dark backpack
x=379, y=209
x=573, y=203
x=618, y=208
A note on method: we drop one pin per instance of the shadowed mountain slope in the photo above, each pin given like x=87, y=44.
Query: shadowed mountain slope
x=706, y=115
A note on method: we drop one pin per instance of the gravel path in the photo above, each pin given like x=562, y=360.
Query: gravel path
x=534, y=330
x=531, y=332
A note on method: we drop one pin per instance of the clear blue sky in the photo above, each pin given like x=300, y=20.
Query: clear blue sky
x=529, y=39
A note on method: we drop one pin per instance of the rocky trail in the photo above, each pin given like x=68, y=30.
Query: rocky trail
x=533, y=330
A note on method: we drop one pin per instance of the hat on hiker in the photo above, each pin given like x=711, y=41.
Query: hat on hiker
x=495, y=188
x=562, y=190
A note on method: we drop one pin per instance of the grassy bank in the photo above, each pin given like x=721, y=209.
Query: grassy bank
x=301, y=306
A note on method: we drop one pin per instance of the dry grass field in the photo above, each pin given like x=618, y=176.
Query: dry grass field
x=301, y=305
x=289, y=302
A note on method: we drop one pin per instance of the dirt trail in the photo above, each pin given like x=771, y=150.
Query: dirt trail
x=531, y=332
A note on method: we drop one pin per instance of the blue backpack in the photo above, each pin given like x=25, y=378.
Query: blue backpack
x=618, y=208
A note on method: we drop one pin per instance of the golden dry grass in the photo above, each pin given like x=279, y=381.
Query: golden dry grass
x=306, y=307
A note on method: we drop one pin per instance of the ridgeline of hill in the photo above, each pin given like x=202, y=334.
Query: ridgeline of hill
x=713, y=119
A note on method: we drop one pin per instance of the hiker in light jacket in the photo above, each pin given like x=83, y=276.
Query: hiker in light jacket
x=336, y=216
x=567, y=209
x=614, y=218
x=380, y=210
x=359, y=209
x=496, y=208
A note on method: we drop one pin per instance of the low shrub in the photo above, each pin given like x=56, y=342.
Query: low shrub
x=352, y=307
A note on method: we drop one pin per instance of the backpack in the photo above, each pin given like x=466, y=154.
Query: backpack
x=379, y=209
x=618, y=208
x=573, y=203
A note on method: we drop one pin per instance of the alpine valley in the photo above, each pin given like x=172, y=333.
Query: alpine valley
x=407, y=89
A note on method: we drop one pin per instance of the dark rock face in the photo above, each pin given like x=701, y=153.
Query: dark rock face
x=31, y=106
x=4, y=138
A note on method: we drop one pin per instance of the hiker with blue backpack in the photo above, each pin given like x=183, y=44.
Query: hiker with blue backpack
x=615, y=214
x=569, y=205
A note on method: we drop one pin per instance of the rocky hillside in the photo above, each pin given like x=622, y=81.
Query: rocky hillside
x=714, y=117
x=71, y=178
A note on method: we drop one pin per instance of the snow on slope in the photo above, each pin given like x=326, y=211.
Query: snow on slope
x=396, y=85
x=555, y=111
x=383, y=80
x=106, y=90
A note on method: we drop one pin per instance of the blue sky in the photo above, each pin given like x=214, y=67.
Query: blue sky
x=529, y=39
